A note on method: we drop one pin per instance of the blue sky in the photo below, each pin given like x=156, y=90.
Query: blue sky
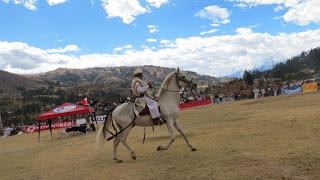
x=217, y=37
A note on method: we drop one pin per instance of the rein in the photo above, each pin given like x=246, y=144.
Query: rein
x=179, y=87
x=117, y=133
x=174, y=91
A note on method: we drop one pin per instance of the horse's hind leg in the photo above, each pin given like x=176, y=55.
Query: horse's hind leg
x=123, y=140
x=172, y=136
x=116, y=142
x=179, y=128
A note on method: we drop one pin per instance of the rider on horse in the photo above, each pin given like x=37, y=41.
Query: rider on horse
x=141, y=90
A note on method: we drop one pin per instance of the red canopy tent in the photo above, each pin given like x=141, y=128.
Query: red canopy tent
x=66, y=109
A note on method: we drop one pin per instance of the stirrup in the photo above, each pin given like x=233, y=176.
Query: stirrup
x=158, y=121
x=163, y=120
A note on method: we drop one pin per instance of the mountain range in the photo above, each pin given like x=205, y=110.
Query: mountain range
x=103, y=78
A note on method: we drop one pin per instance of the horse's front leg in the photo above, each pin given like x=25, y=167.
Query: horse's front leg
x=172, y=136
x=179, y=128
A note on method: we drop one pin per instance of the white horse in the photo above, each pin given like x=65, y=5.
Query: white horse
x=169, y=99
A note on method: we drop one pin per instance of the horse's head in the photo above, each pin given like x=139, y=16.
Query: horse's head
x=183, y=81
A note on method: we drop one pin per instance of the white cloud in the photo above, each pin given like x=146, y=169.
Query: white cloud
x=208, y=32
x=25, y=58
x=151, y=40
x=304, y=13
x=301, y=12
x=55, y=2
x=278, y=8
x=212, y=55
x=127, y=10
x=244, y=30
x=68, y=48
x=242, y=5
x=215, y=25
x=128, y=46
x=216, y=14
x=164, y=41
x=117, y=49
x=30, y=4
x=251, y=3
x=122, y=48
x=153, y=29
x=156, y=3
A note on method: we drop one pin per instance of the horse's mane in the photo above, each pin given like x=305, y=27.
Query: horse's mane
x=165, y=83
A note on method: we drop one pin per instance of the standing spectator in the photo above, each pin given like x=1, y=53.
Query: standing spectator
x=256, y=93
x=269, y=91
x=216, y=99
x=212, y=100
x=236, y=96
x=263, y=92
x=275, y=91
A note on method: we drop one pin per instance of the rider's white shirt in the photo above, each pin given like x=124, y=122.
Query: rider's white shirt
x=152, y=104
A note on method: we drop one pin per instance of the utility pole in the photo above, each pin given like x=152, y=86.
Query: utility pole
x=1, y=126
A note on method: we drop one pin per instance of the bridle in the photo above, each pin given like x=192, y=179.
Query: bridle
x=178, y=79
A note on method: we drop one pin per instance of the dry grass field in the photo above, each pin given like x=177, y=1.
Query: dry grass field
x=270, y=138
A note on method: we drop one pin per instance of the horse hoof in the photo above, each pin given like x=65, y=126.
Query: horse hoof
x=134, y=157
x=118, y=160
x=194, y=149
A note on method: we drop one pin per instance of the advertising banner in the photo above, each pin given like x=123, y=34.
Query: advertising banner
x=100, y=119
x=81, y=121
x=195, y=104
x=56, y=125
x=292, y=89
x=310, y=87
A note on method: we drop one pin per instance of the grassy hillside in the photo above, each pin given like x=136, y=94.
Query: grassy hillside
x=271, y=138
x=303, y=66
x=10, y=82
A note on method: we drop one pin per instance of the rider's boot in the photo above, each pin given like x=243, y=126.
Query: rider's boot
x=158, y=121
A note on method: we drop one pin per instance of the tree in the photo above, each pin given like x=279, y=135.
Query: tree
x=248, y=77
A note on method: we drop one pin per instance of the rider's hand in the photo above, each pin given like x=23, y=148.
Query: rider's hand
x=150, y=84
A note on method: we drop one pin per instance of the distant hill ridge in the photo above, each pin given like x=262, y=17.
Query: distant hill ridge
x=107, y=75
x=10, y=82
x=107, y=78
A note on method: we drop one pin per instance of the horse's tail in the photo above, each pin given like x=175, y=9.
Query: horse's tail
x=103, y=131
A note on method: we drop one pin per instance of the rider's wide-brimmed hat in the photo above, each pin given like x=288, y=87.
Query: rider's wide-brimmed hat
x=137, y=71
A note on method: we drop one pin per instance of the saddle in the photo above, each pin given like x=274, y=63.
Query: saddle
x=145, y=111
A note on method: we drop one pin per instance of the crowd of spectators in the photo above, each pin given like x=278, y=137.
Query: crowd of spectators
x=258, y=92
x=268, y=91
